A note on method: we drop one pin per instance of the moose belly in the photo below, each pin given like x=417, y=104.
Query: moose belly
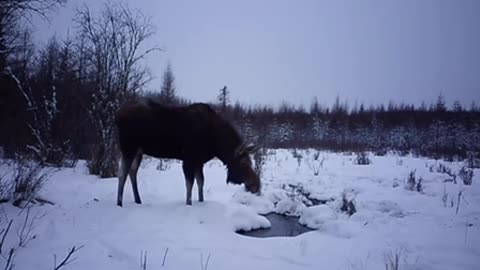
x=163, y=150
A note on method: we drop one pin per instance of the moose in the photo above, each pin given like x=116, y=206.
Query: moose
x=193, y=134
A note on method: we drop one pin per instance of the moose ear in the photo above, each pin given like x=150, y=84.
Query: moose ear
x=251, y=148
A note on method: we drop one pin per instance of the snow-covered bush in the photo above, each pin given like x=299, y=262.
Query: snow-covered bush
x=297, y=193
x=399, y=162
x=347, y=205
x=362, y=158
x=298, y=156
x=316, y=164
x=466, y=175
x=414, y=184
x=443, y=169
x=473, y=159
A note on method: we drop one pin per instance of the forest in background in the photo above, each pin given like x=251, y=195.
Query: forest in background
x=58, y=101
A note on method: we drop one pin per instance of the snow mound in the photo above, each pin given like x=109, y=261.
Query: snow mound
x=289, y=207
x=246, y=219
x=258, y=203
x=314, y=217
x=391, y=208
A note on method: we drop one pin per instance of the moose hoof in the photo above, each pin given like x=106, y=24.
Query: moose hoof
x=119, y=204
x=138, y=201
x=189, y=202
x=200, y=200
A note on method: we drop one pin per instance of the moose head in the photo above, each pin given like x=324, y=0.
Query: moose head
x=240, y=169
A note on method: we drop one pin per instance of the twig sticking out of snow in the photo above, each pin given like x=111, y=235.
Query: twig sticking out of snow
x=10, y=258
x=25, y=232
x=67, y=259
x=164, y=257
x=204, y=266
x=445, y=197
x=392, y=262
x=5, y=232
x=143, y=259
x=460, y=196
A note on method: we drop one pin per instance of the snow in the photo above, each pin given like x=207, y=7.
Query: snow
x=246, y=219
x=423, y=227
x=316, y=216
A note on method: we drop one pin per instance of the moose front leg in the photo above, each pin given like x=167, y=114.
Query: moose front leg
x=189, y=172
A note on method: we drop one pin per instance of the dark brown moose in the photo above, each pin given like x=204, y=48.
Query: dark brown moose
x=194, y=134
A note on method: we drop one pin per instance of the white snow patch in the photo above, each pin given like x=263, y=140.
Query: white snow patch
x=314, y=217
x=246, y=219
x=426, y=226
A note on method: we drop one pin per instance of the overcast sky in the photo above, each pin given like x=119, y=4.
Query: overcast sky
x=271, y=51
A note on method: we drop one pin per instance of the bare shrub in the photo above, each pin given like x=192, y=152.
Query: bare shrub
x=6, y=188
x=25, y=232
x=445, y=170
x=362, y=158
x=28, y=178
x=163, y=164
x=114, y=43
x=473, y=159
x=104, y=159
x=392, y=261
x=466, y=175
x=259, y=158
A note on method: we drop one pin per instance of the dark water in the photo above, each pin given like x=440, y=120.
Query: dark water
x=281, y=226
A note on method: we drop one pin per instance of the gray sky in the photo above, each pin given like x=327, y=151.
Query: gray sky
x=271, y=51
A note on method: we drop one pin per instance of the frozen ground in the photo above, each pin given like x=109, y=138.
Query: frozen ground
x=422, y=228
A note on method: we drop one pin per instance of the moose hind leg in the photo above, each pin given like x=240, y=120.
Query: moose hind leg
x=189, y=172
x=122, y=177
x=200, y=180
x=133, y=176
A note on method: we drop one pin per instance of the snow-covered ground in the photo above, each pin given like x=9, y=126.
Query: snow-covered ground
x=423, y=228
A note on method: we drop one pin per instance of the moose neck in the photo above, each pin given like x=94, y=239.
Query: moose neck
x=226, y=151
x=229, y=141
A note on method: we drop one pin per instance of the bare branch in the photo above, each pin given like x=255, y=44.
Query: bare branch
x=67, y=260
x=11, y=256
x=5, y=232
x=27, y=8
